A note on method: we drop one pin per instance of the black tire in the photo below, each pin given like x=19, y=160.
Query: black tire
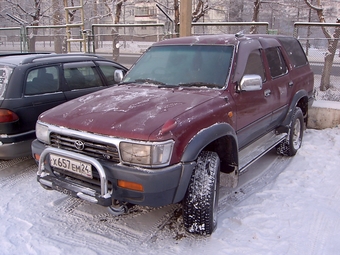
x=201, y=200
x=292, y=144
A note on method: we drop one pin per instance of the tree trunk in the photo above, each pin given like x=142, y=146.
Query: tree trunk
x=329, y=59
x=57, y=20
x=115, y=32
x=253, y=28
x=95, y=40
x=176, y=8
x=31, y=39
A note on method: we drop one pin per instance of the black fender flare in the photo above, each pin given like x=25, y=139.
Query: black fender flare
x=194, y=148
x=205, y=137
x=284, y=127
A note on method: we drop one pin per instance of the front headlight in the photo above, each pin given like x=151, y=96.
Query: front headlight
x=151, y=155
x=42, y=133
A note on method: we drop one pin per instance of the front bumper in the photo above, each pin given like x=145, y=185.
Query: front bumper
x=161, y=186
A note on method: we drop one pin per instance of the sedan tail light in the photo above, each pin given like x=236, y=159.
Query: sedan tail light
x=7, y=116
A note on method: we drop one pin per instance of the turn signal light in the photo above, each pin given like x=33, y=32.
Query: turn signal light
x=130, y=185
x=36, y=157
x=7, y=116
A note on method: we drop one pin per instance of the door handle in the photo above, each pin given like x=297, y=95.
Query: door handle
x=290, y=84
x=267, y=92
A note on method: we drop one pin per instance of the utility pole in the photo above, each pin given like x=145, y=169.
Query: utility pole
x=185, y=18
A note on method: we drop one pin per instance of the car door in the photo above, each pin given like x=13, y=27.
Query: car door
x=278, y=84
x=254, y=108
x=42, y=91
x=81, y=78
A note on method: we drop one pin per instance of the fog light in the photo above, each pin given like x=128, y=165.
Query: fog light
x=130, y=185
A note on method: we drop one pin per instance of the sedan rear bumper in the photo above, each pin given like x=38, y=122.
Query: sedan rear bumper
x=11, y=150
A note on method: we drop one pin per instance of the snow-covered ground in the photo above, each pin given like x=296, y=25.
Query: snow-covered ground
x=283, y=206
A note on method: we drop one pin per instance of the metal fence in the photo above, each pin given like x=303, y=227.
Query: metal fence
x=135, y=38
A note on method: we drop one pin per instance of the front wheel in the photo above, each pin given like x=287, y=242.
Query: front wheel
x=290, y=146
x=201, y=200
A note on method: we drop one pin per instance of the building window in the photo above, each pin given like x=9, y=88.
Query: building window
x=144, y=11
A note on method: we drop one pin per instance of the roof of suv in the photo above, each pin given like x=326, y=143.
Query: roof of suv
x=26, y=58
x=221, y=39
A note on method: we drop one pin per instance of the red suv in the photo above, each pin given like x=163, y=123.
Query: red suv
x=189, y=109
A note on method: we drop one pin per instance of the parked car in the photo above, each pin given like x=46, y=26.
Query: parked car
x=188, y=110
x=32, y=83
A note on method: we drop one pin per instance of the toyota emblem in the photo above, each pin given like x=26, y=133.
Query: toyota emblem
x=79, y=145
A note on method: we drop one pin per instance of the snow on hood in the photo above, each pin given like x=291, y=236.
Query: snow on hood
x=126, y=111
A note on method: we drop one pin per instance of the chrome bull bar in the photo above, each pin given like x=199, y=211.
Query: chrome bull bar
x=103, y=180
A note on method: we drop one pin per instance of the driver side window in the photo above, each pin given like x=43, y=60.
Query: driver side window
x=255, y=64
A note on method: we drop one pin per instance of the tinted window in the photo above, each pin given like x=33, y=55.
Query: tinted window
x=108, y=71
x=42, y=80
x=294, y=50
x=276, y=62
x=255, y=64
x=78, y=77
x=183, y=65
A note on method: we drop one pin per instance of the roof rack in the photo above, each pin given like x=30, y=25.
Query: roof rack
x=21, y=53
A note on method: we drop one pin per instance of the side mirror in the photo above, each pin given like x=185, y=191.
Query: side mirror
x=118, y=75
x=250, y=82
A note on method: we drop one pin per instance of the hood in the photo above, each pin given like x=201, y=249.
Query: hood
x=126, y=111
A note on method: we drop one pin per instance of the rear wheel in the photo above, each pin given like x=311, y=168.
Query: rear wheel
x=292, y=144
x=201, y=200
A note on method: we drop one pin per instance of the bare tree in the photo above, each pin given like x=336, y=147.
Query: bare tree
x=200, y=10
x=115, y=20
x=176, y=11
x=59, y=41
x=333, y=39
x=35, y=13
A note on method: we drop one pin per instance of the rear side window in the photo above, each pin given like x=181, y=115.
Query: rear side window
x=294, y=50
x=5, y=74
x=108, y=71
x=81, y=76
x=277, y=65
x=42, y=80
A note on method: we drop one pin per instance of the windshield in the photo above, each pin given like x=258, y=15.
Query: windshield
x=5, y=73
x=183, y=65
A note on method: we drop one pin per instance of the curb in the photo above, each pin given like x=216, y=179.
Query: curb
x=324, y=114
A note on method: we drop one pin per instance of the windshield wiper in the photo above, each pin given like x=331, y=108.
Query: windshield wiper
x=198, y=84
x=150, y=81
x=126, y=82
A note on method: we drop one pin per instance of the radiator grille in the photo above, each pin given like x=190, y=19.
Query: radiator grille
x=90, y=148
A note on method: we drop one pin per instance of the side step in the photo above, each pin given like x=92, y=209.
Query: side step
x=254, y=151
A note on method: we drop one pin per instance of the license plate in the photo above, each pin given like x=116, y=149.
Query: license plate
x=71, y=165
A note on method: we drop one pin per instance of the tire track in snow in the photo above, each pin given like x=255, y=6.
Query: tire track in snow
x=78, y=223
x=92, y=224
x=16, y=171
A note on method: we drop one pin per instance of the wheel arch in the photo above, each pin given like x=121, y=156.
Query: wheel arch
x=220, y=138
x=300, y=100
